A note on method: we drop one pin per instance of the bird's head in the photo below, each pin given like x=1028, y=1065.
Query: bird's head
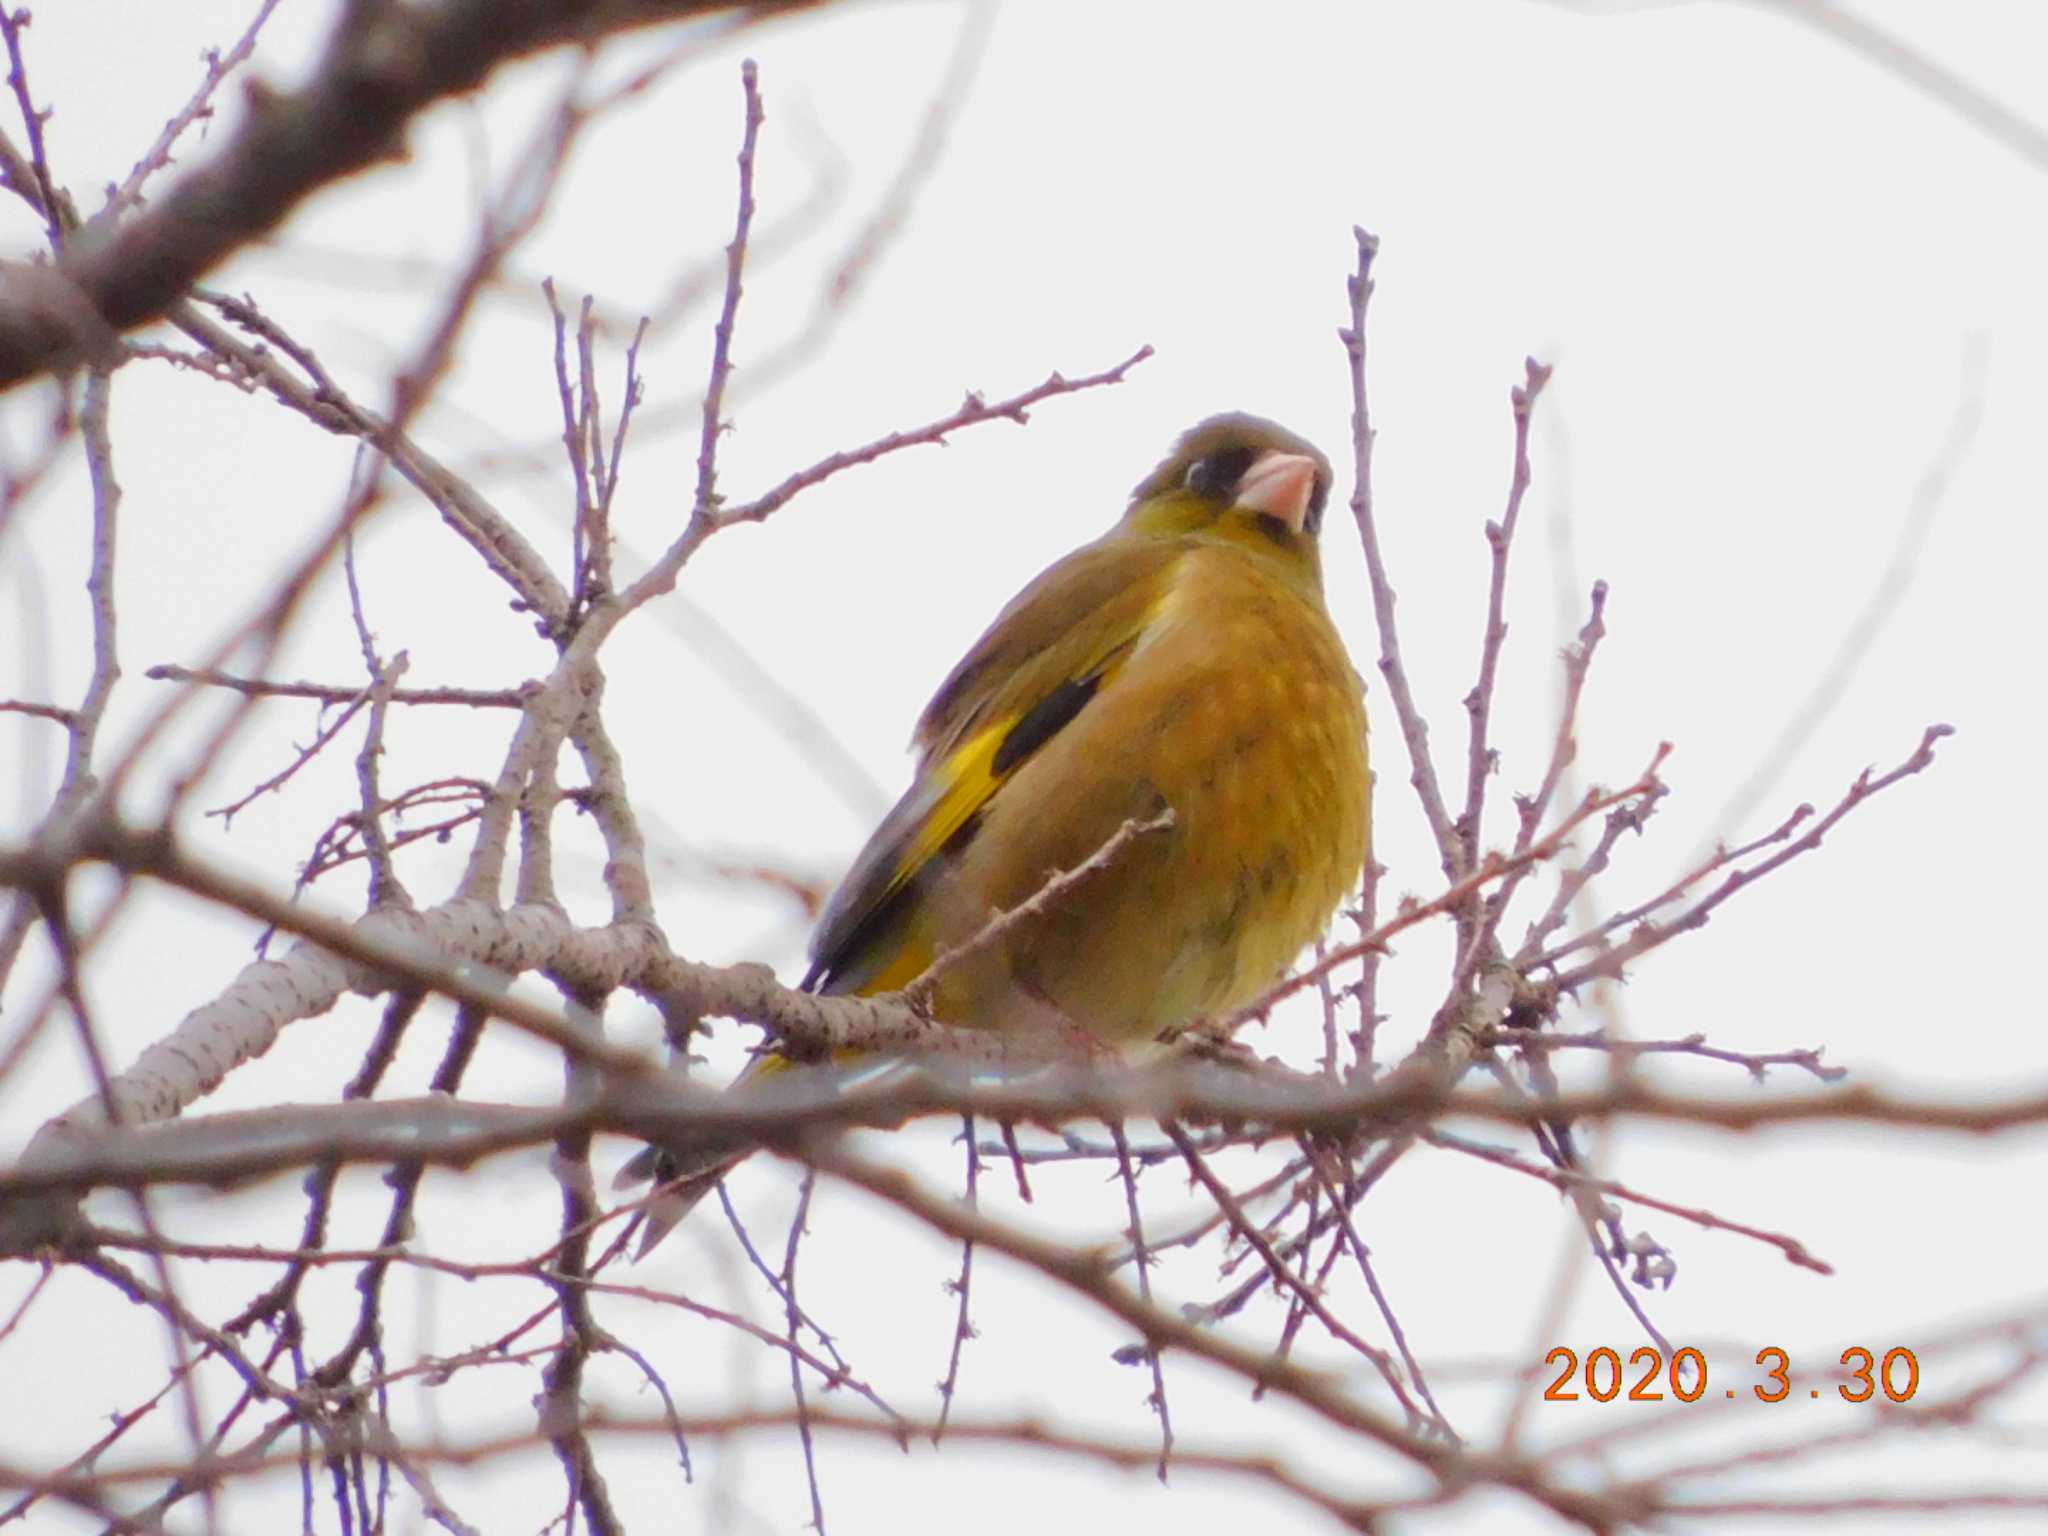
x=1241, y=478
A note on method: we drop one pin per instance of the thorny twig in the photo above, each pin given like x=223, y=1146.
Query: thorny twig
x=961, y=1285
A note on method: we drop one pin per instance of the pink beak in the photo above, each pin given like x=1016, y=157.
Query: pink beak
x=1279, y=485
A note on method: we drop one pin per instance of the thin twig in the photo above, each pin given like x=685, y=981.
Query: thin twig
x=704, y=507
x=1496, y=867
x=1653, y=935
x=1282, y=1274
x=55, y=206
x=54, y=712
x=1479, y=758
x=198, y=108
x=1414, y=728
x=1348, y=1240
x=335, y=693
x=1149, y=1351
x=917, y=992
x=793, y=1317
x=961, y=1285
x=327, y=733
x=1570, y=1180
x=1564, y=750
x=1756, y=1063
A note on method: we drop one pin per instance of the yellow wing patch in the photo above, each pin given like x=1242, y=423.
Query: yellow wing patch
x=866, y=940
x=967, y=778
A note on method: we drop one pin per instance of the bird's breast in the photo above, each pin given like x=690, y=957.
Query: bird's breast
x=1240, y=712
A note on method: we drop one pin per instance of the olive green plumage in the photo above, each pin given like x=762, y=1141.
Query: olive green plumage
x=1184, y=661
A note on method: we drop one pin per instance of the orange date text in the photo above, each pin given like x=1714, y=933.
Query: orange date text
x=1649, y=1378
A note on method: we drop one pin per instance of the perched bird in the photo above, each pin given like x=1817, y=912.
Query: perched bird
x=1184, y=661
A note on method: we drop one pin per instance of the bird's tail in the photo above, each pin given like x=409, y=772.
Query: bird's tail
x=678, y=1189
x=684, y=1176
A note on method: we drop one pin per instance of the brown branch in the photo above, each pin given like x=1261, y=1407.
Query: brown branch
x=90, y=1458
x=1571, y=1181
x=560, y=1404
x=56, y=712
x=55, y=207
x=19, y=480
x=845, y=278
x=1347, y=1240
x=1026, y=1433
x=1653, y=935
x=300, y=759
x=332, y=693
x=625, y=865
x=575, y=434
x=185, y=1324
x=704, y=507
x=1414, y=728
x=660, y=578
x=79, y=781
x=1720, y=858
x=1480, y=758
x=1082, y=1274
x=96, y=433
x=634, y=391
x=54, y=900
x=504, y=550
x=973, y=411
x=1365, y=991
x=1756, y=1063
x=198, y=109
x=1297, y=1311
x=1142, y=1267
x=385, y=886
x=655, y=970
x=1620, y=821
x=917, y=992
x=341, y=843
x=961, y=1286
x=508, y=219
x=382, y=67
x=1285, y=1176
x=1496, y=867
x=1283, y=1275
x=242, y=1144
x=793, y=1318
x=840, y=1373
x=1564, y=750
x=863, y=254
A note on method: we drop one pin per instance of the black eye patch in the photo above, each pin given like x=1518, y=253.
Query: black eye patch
x=1216, y=476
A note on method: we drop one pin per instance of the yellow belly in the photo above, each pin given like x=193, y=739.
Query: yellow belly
x=1242, y=714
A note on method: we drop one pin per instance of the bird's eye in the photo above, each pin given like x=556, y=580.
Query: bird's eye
x=1216, y=475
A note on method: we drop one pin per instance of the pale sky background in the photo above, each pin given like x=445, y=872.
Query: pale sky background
x=1771, y=277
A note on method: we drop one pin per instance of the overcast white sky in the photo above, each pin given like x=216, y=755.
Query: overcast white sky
x=1774, y=279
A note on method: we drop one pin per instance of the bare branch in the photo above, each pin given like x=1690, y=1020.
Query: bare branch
x=1479, y=759
x=1570, y=1180
x=705, y=506
x=1651, y=935
x=198, y=109
x=381, y=68
x=329, y=693
x=917, y=992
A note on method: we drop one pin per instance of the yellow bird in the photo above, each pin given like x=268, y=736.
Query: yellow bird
x=1184, y=661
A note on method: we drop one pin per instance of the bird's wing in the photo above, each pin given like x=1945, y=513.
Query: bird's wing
x=1037, y=667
